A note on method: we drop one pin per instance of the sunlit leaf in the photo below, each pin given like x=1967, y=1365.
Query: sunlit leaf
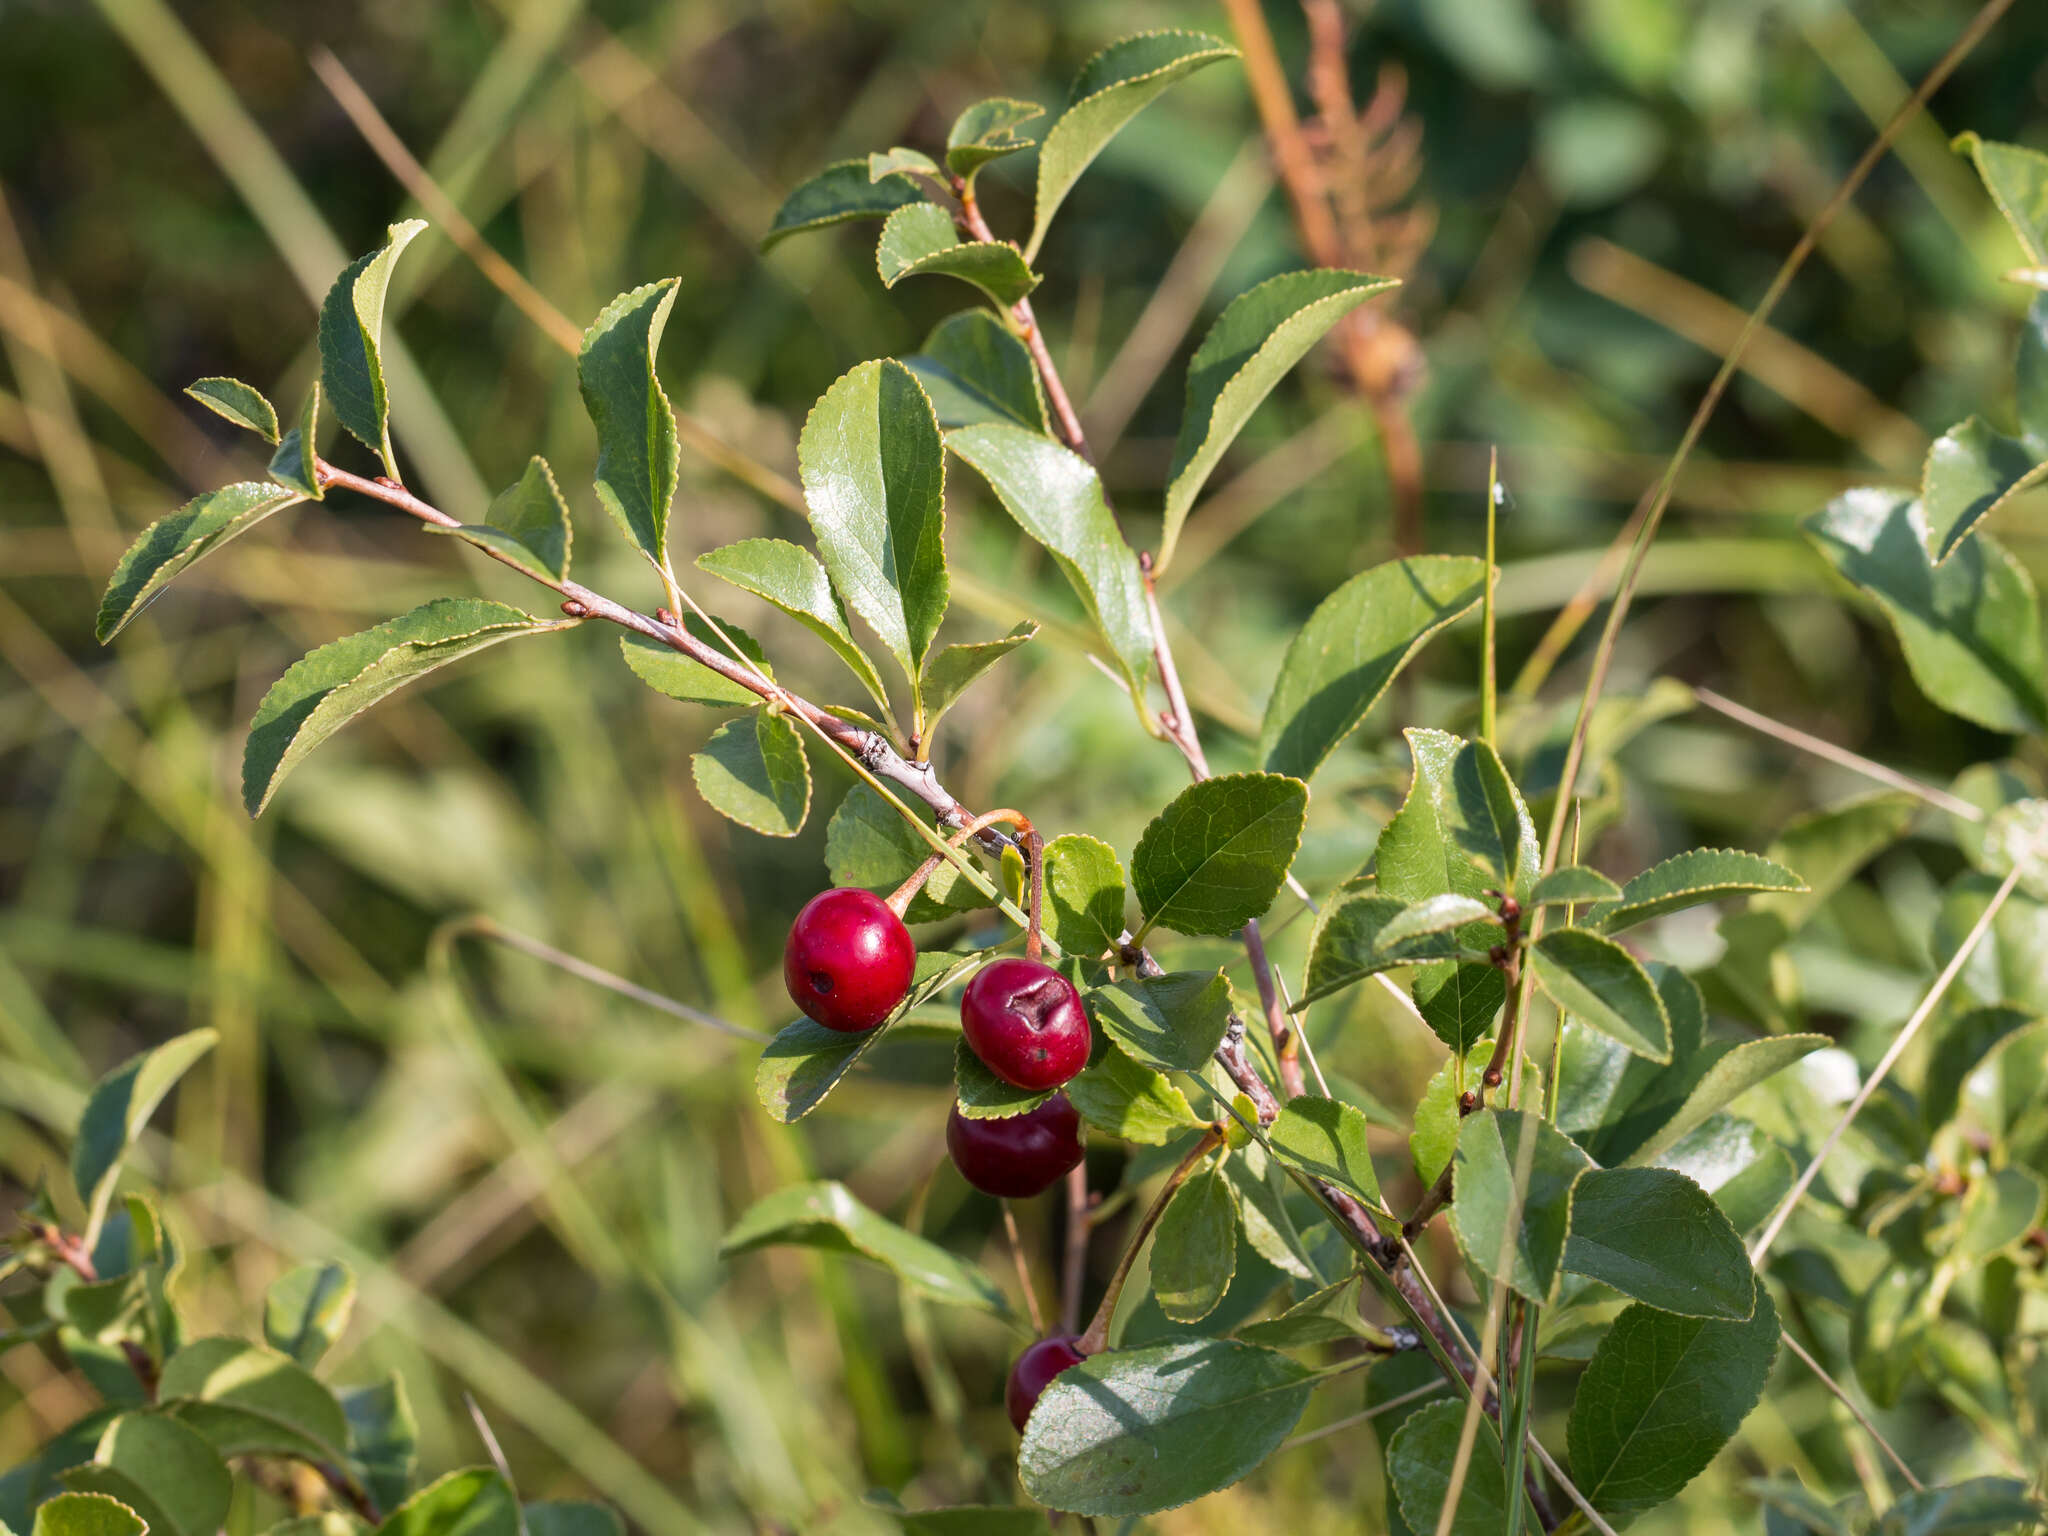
x=921, y=239
x=638, y=456
x=1215, y=858
x=171, y=543
x=243, y=404
x=836, y=194
x=351, y=344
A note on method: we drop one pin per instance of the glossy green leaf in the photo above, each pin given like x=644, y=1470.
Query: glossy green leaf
x=248, y=1400
x=1656, y=1236
x=1169, y=1023
x=169, y=544
x=1128, y=1100
x=1433, y=915
x=293, y=463
x=328, y=687
x=1112, y=88
x=1601, y=984
x=667, y=670
x=1688, y=880
x=571, y=1517
x=1134, y=1431
x=982, y=1095
x=87, y=1514
x=527, y=523
x=1327, y=1316
x=1346, y=946
x=753, y=771
x=1575, y=884
x=1353, y=646
x=953, y=670
x=1971, y=472
x=1746, y=1172
x=1055, y=496
x=1463, y=829
x=790, y=577
x=1489, y=1152
x=243, y=404
x=638, y=456
x=1254, y=343
x=119, y=1107
x=900, y=161
x=1215, y=858
x=475, y=1502
x=383, y=1437
x=920, y=239
x=1732, y=1074
x=1830, y=845
x=869, y=845
x=1662, y=1395
x=976, y=370
x=1327, y=1139
x=1084, y=894
x=1978, y=1506
x=1434, y=1138
x=826, y=1215
x=306, y=1309
x=2017, y=179
x=166, y=1473
x=1970, y=628
x=1459, y=1000
x=836, y=194
x=1194, y=1248
x=987, y=131
x=351, y=344
x=1419, y=1460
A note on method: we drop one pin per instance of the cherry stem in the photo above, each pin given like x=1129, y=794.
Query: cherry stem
x=898, y=901
x=1096, y=1339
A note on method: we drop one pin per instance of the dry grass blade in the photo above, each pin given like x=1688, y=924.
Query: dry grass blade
x=1842, y=1396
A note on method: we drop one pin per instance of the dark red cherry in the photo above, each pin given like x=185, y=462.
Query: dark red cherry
x=1020, y=1155
x=849, y=960
x=1025, y=1021
x=1034, y=1371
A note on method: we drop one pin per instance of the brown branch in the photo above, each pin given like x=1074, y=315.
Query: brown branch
x=1064, y=416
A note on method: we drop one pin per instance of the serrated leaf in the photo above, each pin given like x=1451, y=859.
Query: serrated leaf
x=1464, y=828
x=1112, y=88
x=1254, y=343
x=753, y=771
x=326, y=688
x=1731, y=1075
x=790, y=577
x=293, y=463
x=667, y=670
x=1353, y=646
x=1084, y=894
x=1327, y=1316
x=1056, y=497
x=900, y=161
x=869, y=845
x=1122, y=1098
x=1829, y=845
x=1601, y=984
x=1346, y=947
x=1575, y=884
x=2017, y=179
x=1430, y=916
x=1133, y=1431
x=920, y=240
x=987, y=131
x=1969, y=628
x=1459, y=1000
x=1746, y=1172
x=351, y=344
x=952, y=671
x=638, y=456
x=1977, y=1506
x=1194, y=1248
x=1654, y=1235
x=1662, y=1395
x=163, y=1471
x=251, y=1401
x=826, y=1215
x=87, y=1514
x=982, y=1095
x=383, y=1438
x=1215, y=858
x=171, y=543
x=119, y=1107
x=474, y=1502
x=975, y=370
x=1419, y=1459
x=528, y=523
x=1327, y=1139
x=1489, y=1150
x=836, y=194
x=1971, y=472
x=1169, y=1023
x=243, y=404
x=1687, y=880
x=306, y=1310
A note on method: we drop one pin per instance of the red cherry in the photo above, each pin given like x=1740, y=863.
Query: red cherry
x=1025, y=1021
x=849, y=960
x=1020, y=1155
x=1034, y=1371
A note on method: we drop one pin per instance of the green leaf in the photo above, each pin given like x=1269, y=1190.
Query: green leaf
x=1171, y=1023
x=2017, y=179
x=638, y=457
x=975, y=370
x=962, y=1519
x=1419, y=1462
x=1575, y=884
x=1084, y=894
x=1327, y=1139
x=921, y=239
x=1731, y=1075
x=1254, y=343
x=1658, y=1237
x=1463, y=829
x=119, y=1107
x=874, y=477
x=326, y=688
x=1399, y=1376
x=790, y=577
x=987, y=131
x=1829, y=845
x=1328, y=1316
x=1134, y=1431
x=840, y=192
x=528, y=523
x=351, y=344
x=1194, y=1248
x=1214, y=859
x=1354, y=644
x=1970, y=628
x=1056, y=497
x=292, y=465
x=306, y=1310
x=163, y=1471
x=982, y=1095
x=869, y=845
x=1998, y=1212
x=1971, y=472
x=383, y=1438
x=1662, y=1395
x=475, y=1502
x=1733, y=1160
x=1122, y=1098
x=1687, y=880
x=1600, y=984
x=250, y=1401
x=1978, y=1506
x=240, y=403
x=1112, y=88
x=1433, y=915
x=902, y=162
x=952, y=671
x=2031, y=370
x=169, y=544
x=23, y=1488
x=87, y=1514
x=572, y=1517
x=1489, y=1150
x=753, y=771
x=667, y=670
x=825, y=1215
x=1885, y=1326
x=1459, y=1000
x=2016, y=838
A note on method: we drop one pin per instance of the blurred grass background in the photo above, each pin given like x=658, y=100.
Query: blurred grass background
x=533, y=1174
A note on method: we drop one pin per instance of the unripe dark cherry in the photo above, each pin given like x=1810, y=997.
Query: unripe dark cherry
x=849, y=960
x=1025, y=1021
x=1034, y=1371
x=1017, y=1156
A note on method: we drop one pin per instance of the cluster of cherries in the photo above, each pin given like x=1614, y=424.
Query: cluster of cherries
x=849, y=964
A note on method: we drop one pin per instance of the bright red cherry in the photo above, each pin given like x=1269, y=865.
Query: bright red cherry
x=1020, y=1155
x=1025, y=1021
x=1034, y=1371
x=849, y=960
